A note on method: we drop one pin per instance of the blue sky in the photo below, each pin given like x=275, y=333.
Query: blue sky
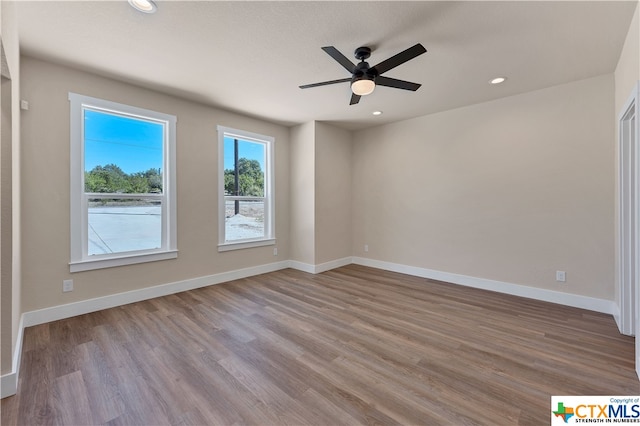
x=250, y=150
x=133, y=145
x=136, y=145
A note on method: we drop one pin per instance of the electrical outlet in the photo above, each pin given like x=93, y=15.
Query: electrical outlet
x=561, y=276
x=275, y=251
x=67, y=285
x=366, y=247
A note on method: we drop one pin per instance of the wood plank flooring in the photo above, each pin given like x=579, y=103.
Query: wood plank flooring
x=354, y=345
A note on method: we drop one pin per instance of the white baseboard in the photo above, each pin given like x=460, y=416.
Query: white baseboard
x=55, y=313
x=301, y=266
x=9, y=381
x=327, y=266
x=8, y=384
x=567, y=299
x=616, y=317
x=322, y=267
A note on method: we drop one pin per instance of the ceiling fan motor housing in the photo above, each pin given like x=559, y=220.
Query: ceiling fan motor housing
x=362, y=53
x=363, y=70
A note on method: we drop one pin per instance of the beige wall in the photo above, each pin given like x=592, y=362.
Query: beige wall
x=509, y=190
x=303, y=193
x=320, y=193
x=332, y=193
x=11, y=282
x=627, y=71
x=45, y=180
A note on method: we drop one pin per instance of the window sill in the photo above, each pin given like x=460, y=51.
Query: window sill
x=110, y=262
x=228, y=246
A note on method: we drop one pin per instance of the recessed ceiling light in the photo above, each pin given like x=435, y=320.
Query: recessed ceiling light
x=377, y=113
x=498, y=80
x=145, y=6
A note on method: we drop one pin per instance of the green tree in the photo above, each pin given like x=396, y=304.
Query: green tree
x=251, y=179
x=154, y=178
x=109, y=178
x=112, y=179
x=139, y=184
x=94, y=182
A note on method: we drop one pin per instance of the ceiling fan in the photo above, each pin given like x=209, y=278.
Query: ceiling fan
x=365, y=78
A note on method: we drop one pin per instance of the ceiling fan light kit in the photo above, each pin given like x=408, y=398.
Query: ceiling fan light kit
x=365, y=78
x=362, y=86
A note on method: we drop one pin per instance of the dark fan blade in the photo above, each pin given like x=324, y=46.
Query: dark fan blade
x=398, y=84
x=354, y=99
x=324, y=83
x=340, y=58
x=400, y=58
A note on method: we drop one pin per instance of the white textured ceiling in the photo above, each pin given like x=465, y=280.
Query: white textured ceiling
x=251, y=57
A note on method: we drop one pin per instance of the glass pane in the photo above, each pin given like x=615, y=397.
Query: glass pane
x=243, y=220
x=249, y=172
x=120, y=225
x=122, y=154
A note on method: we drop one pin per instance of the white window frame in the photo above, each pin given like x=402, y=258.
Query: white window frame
x=269, y=197
x=80, y=259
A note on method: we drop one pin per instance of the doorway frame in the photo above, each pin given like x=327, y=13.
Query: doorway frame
x=628, y=218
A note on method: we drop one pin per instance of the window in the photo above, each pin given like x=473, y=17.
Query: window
x=122, y=184
x=245, y=189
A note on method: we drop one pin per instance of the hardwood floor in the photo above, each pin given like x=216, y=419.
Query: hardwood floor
x=350, y=346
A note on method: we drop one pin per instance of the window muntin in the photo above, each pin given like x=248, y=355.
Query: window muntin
x=246, y=191
x=122, y=184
